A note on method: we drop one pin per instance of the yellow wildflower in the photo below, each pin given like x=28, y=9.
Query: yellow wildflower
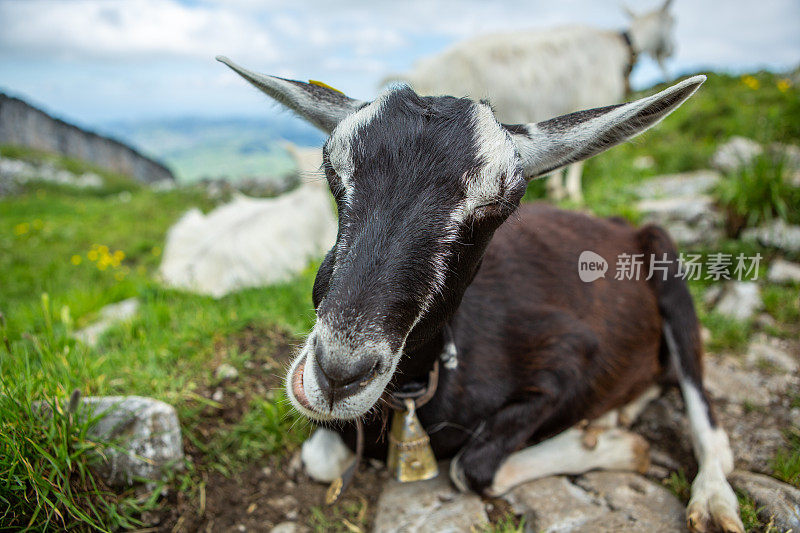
x=751, y=82
x=784, y=84
x=21, y=229
x=156, y=251
x=92, y=255
x=119, y=255
x=103, y=249
x=76, y=260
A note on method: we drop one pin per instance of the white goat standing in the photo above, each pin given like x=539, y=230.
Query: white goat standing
x=252, y=242
x=532, y=75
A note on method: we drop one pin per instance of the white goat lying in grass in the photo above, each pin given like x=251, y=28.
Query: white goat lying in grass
x=532, y=75
x=252, y=242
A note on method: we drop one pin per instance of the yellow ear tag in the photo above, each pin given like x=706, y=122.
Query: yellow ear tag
x=323, y=84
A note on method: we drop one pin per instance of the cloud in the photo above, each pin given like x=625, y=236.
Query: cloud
x=103, y=58
x=145, y=29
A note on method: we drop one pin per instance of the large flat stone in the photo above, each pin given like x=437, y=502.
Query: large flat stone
x=597, y=501
x=697, y=182
x=777, y=503
x=677, y=208
x=739, y=300
x=782, y=271
x=776, y=234
x=427, y=506
x=736, y=153
x=725, y=379
x=772, y=352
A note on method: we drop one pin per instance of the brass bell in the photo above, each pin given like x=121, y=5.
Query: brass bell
x=410, y=454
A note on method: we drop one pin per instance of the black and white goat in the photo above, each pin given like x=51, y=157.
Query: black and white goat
x=435, y=257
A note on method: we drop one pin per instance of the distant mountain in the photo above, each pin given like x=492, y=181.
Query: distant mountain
x=22, y=124
x=231, y=148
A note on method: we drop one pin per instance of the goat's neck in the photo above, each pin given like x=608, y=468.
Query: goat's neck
x=417, y=362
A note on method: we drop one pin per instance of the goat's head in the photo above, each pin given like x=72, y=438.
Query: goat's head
x=653, y=33
x=421, y=185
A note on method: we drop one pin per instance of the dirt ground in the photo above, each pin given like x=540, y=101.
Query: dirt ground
x=274, y=490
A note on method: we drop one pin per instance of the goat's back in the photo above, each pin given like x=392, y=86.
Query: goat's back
x=530, y=75
x=528, y=296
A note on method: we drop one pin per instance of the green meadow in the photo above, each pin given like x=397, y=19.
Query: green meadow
x=66, y=252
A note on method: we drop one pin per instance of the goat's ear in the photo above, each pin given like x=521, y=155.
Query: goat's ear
x=321, y=105
x=546, y=146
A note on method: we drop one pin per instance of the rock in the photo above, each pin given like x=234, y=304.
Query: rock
x=597, y=501
x=427, y=506
x=782, y=271
x=687, y=235
x=644, y=162
x=289, y=527
x=739, y=300
x=794, y=417
x=146, y=436
x=768, y=350
x=684, y=209
x=21, y=172
x=109, y=316
x=226, y=372
x=777, y=503
x=765, y=320
x=725, y=379
x=686, y=184
x=776, y=234
x=689, y=220
x=736, y=153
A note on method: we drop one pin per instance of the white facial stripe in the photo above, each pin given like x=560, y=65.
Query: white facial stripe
x=340, y=151
x=496, y=149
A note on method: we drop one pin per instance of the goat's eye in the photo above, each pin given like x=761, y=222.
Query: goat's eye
x=490, y=209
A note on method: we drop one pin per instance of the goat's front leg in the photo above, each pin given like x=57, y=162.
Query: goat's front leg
x=507, y=430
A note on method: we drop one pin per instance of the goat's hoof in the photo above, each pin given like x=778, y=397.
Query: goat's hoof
x=713, y=507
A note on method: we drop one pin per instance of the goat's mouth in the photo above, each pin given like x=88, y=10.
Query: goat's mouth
x=298, y=391
x=311, y=394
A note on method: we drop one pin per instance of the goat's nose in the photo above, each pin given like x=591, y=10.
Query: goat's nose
x=340, y=377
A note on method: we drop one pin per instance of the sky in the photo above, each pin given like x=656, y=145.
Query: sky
x=95, y=61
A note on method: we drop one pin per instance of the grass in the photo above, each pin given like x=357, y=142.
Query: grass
x=345, y=517
x=60, y=264
x=679, y=485
x=757, y=193
x=786, y=463
x=46, y=476
x=67, y=252
x=508, y=524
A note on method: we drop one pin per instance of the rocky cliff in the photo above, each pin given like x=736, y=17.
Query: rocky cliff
x=24, y=125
